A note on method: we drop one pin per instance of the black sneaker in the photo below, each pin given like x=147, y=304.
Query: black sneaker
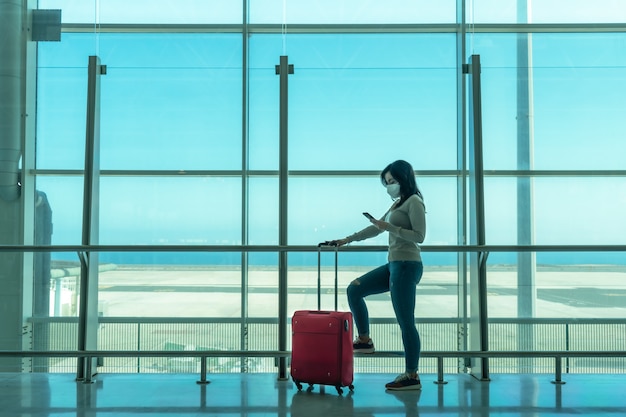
x=404, y=382
x=361, y=347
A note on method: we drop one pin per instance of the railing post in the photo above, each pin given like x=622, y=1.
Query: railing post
x=558, y=371
x=138, y=347
x=88, y=361
x=203, y=379
x=567, y=347
x=440, y=380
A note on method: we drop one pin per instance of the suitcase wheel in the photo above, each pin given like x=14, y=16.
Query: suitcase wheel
x=310, y=387
x=340, y=390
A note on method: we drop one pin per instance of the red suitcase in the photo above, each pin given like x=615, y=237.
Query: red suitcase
x=321, y=351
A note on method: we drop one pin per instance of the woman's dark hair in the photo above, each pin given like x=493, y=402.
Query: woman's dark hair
x=402, y=172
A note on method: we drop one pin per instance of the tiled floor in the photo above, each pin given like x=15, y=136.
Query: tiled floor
x=121, y=395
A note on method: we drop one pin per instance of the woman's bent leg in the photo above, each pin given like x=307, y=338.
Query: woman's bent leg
x=374, y=282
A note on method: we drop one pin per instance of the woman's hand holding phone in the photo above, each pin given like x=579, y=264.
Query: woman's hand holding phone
x=382, y=225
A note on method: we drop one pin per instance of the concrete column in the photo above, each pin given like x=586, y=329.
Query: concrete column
x=12, y=48
x=12, y=52
x=526, y=261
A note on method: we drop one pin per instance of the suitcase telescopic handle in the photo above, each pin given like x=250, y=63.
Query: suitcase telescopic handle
x=330, y=243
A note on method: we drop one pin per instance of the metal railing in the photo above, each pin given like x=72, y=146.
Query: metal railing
x=439, y=354
x=122, y=333
x=306, y=248
x=439, y=346
x=203, y=355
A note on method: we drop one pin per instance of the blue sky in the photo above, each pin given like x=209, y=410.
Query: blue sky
x=357, y=102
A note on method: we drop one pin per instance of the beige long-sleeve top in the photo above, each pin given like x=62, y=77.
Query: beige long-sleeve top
x=407, y=230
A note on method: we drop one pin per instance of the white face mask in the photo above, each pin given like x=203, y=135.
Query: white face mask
x=393, y=190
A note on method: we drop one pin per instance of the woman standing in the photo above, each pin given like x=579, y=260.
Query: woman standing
x=406, y=223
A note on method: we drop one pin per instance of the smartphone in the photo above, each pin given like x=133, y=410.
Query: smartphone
x=369, y=216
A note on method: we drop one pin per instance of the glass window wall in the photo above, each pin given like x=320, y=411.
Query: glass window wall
x=190, y=156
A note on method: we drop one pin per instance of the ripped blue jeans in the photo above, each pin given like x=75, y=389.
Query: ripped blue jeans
x=400, y=278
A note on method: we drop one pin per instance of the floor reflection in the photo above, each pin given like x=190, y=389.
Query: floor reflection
x=161, y=395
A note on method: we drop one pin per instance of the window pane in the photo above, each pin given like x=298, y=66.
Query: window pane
x=546, y=11
x=171, y=102
x=352, y=11
x=353, y=94
x=263, y=214
x=263, y=297
x=557, y=308
x=577, y=105
x=62, y=100
x=147, y=11
x=171, y=289
x=61, y=118
x=326, y=209
x=168, y=101
x=155, y=210
x=562, y=287
x=579, y=11
x=65, y=196
x=580, y=211
x=565, y=211
x=264, y=100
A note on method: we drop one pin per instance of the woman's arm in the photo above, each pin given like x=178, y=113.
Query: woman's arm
x=366, y=233
x=417, y=216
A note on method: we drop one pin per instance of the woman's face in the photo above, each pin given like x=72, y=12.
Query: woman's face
x=389, y=179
